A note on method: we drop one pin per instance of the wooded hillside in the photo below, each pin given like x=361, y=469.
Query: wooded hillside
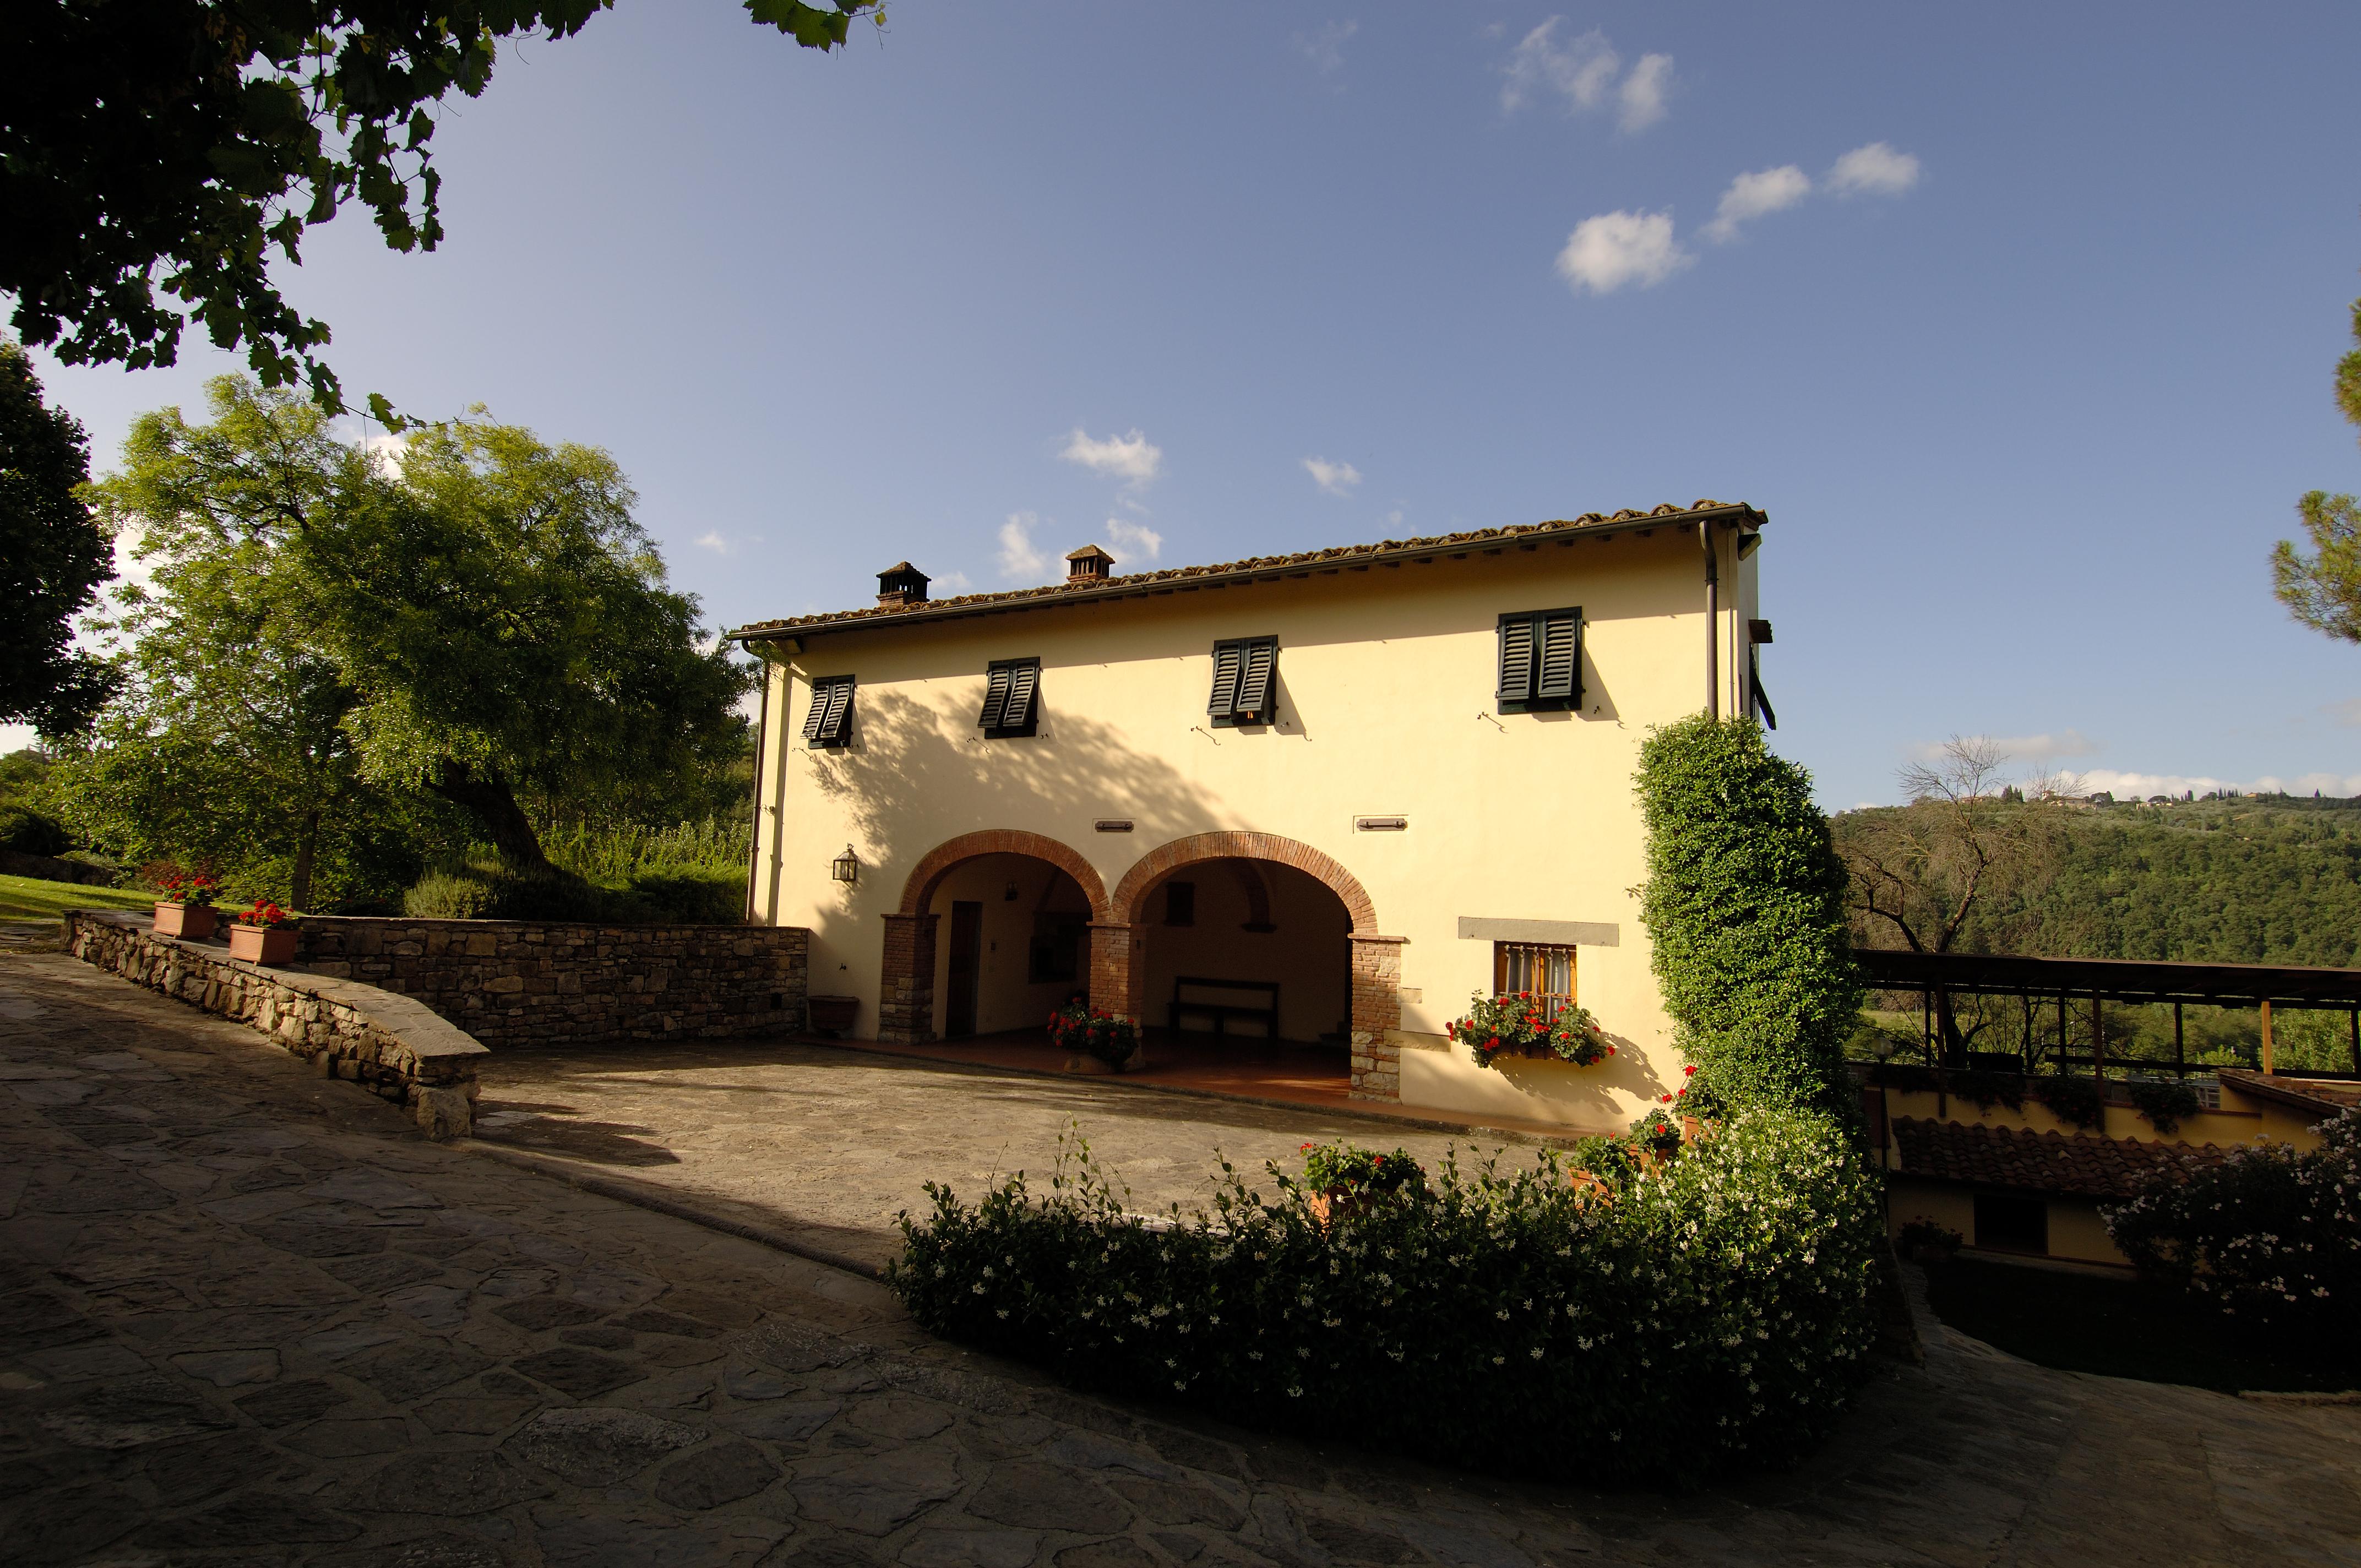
x=2258, y=879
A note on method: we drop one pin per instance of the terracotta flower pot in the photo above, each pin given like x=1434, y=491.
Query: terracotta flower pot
x=192, y=922
x=1082, y=1061
x=832, y=1015
x=262, y=944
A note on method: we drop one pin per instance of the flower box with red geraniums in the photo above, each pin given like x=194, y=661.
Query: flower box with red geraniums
x=1095, y=1040
x=1519, y=1024
x=263, y=934
x=185, y=905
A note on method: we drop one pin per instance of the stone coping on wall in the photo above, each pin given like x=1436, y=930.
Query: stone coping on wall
x=397, y=1048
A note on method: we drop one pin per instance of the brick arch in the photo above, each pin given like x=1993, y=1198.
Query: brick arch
x=1131, y=893
x=927, y=875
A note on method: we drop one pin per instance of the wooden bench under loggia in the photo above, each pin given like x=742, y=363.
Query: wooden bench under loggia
x=1221, y=1001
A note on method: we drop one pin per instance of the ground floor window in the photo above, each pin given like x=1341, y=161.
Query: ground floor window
x=2008, y=1224
x=1542, y=968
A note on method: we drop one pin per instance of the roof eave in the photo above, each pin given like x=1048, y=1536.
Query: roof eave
x=1148, y=585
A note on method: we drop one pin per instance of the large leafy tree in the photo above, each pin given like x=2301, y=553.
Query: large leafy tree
x=228, y=742
x=154, y=154
x=520, y=652
x=333, y=637
x=53, y=556
x=2323, y=589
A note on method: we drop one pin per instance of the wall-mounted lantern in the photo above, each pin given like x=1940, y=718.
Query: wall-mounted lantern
x=847, y=866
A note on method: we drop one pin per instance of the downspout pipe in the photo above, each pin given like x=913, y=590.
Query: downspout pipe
x=761, y=740
x=1712, y=620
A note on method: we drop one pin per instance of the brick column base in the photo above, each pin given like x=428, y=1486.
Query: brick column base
x=905, y=991
x=1118, y=969
x=1377, y=1015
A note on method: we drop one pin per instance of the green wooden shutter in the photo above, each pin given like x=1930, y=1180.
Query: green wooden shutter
x=839, y=708
x=1024, y=685
x=1254, y=684
x=995, y=697
x=1224, y=700
x=817, y=712
x=1561, y=654
x=1516, y=659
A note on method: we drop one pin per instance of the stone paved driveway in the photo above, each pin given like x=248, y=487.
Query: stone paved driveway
x=828, y=1144
x=248, y=1315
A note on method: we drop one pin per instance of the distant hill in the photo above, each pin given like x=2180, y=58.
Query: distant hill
x=2257, y=879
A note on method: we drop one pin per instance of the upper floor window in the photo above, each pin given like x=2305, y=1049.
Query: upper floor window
x=1245, y=681
x=830, y=722
x=1540, y=661
x=1012, y=697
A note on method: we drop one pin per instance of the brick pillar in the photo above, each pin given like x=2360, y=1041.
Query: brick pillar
x=1118, y=970
x=905, y=991
x=1376, y=1016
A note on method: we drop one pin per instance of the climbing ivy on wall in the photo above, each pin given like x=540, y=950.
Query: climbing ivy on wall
x=1745, y=905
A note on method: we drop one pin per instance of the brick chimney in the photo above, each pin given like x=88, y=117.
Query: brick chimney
x=901, y=584
x=1088, y=565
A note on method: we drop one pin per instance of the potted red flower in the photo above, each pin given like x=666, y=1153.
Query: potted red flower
x=263, y=934
x=1095, y=1040
x=184, y=905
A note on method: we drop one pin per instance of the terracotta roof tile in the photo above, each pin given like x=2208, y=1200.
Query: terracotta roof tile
x=1118, y=586
x=2037, y=1162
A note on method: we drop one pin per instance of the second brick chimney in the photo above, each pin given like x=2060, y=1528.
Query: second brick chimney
x=902, y=583
x=1088, y=565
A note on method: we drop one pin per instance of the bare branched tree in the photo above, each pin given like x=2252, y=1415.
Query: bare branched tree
x=1969, y=838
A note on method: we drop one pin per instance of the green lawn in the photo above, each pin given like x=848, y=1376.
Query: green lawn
x=24, y=897
x=2119, y=1328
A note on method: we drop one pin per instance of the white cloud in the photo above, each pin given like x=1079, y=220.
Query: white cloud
x=1873, y=171
x=1614, y=248
x=950, y=584
x=1644, y=91
x=2139, y=786
x=1325, y=48
x=1129, y=541
x=2346, y=713
x=1131, y=458
x=714, y=541
x=1582, y=71
x=1019, y=560
x=1336, y=478
x=1752, y=196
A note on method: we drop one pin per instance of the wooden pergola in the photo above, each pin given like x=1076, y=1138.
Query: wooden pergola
x=2096, y=981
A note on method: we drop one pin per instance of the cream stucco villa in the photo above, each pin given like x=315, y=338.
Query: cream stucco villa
x=1321, y=797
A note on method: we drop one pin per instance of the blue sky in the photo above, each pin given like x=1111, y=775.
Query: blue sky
x=2020, y=326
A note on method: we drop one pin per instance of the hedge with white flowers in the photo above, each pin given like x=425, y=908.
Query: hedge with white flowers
x=1685, y=1316
x=2272, y=1234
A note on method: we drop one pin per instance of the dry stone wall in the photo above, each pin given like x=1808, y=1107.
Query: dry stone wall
x=394, y=1047
x=532, y=983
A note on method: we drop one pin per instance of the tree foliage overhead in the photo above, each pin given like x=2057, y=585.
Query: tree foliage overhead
x=53, y=556
x=1745, y=908
x=154, y=153
x=2323, y=589
x=335, y=641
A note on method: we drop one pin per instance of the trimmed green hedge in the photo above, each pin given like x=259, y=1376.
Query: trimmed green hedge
x=1745, y=911
x=1695, y=1315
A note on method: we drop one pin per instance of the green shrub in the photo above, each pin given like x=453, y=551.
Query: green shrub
x=2166, y=1102
x=487, y=890
x=2272, y=1234
x=2072, y=1098
x=1347, y=1168
x=30, y=832
x=1708, y=1313
x=446, y=893
x=1986, y=1090
x=1745, y=908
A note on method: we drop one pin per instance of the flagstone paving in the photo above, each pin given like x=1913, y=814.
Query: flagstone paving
x=248, y=1315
